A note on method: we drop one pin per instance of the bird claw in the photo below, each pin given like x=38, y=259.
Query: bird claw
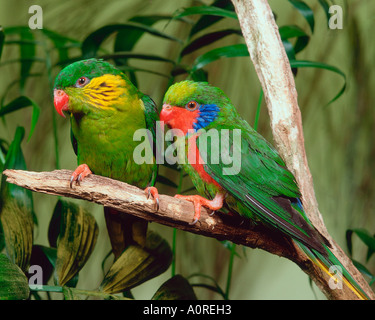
x=71, y=181
x=154, y=192
x=194, y=221
x=79, y=174
x=200, y=202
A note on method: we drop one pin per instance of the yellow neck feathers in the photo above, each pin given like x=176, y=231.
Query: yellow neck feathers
x=107, y=91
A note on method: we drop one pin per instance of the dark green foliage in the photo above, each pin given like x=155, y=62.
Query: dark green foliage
x=176, y=288
x=369, y=241
x=13, y=282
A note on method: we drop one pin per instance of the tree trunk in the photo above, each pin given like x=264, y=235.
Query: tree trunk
x=274, y=72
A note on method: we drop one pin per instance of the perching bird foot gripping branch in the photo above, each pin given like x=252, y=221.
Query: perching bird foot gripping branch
x=175, y=213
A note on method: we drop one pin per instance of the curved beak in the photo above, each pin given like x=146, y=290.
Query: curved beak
x=61, y=101
x=166, y=114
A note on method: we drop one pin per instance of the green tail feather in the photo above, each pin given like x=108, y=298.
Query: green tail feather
x=326, y=262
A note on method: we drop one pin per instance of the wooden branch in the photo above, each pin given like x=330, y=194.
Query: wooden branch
x=172, y=212
x=274, y=72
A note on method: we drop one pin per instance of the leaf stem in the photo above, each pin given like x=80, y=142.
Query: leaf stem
x=75, y=291
x=46, y=288
x=230, y=269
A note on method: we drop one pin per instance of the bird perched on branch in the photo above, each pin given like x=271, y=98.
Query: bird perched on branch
x=232, y=165
x=105, y=110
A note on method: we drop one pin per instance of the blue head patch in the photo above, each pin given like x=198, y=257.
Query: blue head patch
x=207, y=114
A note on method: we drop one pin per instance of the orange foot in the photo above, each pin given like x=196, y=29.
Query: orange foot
x=199, y=202
x=155, y=194
x=82, y=171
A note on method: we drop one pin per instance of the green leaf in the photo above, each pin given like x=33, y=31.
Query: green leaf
x=321, y=65
x=78, y=235
x=69, y=294
x=2, y=37
x=305, y=11
x=236, y=50
x=127, y=38
x=208, y=20
x=13, y=282
x=289, y=49
x=301, y=44
x=61, y=43
x=206, y=10
x=325, y=7
x=27, y=53
x=287, y=32
x=45, y=258
x=132, y=55
x=91, y=44
x=208, y=39
x=365, y=236
x=363, y=270
x=125, y=68
x=17, y=224
x=20, y=103
x=55, y=224
x=137, y=265
x=291, y=31
x=215, y=287
x=15, y=160
x=27, y=50
x=59, y=39
x=149, y=20
x=349, y=242
x=22, y=42
x=176, y=288
x=17, y=216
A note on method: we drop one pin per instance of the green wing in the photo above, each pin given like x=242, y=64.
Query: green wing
x=151, y=116
x=263, y=185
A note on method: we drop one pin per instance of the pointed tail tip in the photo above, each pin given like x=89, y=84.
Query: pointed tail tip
x=331, y=266
x=338, y=277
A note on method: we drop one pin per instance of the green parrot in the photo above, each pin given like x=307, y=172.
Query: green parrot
x=234, y=166
x=105, y=110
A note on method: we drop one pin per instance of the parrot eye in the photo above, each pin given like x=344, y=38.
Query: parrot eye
x=192, y=105
x=81, y=82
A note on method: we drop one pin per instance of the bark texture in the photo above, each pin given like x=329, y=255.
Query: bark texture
x=174, y=213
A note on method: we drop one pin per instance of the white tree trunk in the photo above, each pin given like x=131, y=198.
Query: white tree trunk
x=274, y=72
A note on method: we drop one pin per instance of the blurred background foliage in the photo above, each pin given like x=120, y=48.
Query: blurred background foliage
x=338, y=136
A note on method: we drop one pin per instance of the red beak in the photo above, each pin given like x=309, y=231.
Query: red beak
x=166, y=114
x=61, y=101
x=178, y=118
